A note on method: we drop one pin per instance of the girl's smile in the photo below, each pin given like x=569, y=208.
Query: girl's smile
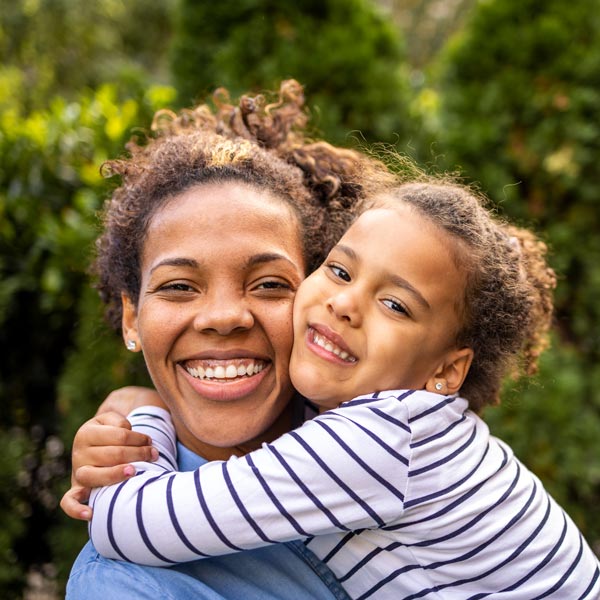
x=328, y=344
x=378, y=314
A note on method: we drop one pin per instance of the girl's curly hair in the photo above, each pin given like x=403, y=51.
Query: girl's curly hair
x=507, y=306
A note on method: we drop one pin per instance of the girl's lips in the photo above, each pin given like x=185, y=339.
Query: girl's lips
x=325, y=342
x=225, y=388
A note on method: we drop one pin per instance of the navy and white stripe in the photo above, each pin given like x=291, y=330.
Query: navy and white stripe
x=403, y=495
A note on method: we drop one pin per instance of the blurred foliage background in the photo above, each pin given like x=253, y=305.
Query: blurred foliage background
x=507, y=93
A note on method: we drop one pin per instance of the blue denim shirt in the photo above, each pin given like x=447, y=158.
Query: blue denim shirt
x=275, y=572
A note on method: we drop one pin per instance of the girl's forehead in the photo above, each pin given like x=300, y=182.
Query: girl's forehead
x=374, y=217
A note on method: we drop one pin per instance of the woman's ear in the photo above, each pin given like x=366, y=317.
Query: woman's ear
x=449, y=377
x=129, y=324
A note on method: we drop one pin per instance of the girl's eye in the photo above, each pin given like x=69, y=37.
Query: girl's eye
x=340, y=272
x=395, y=306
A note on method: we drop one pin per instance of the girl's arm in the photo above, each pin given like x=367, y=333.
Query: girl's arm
x=336, y=473
x=105, y=445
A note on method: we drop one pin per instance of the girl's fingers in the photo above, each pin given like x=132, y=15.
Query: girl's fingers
x=90, y=477
x=125, y=399
x=73, y=503
x=109, y=429
x=109, y=456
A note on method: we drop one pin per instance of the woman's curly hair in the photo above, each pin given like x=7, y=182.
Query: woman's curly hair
x=507, y=307
x=260, y=143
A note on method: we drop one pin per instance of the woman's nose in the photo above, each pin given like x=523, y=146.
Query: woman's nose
x=223, y=312
x=344, y=306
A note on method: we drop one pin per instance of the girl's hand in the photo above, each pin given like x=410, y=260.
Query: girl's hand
x=102, y=450
x=125, y=399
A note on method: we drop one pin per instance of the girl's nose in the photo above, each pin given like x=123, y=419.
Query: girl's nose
x=223, y=312
x=345, y=307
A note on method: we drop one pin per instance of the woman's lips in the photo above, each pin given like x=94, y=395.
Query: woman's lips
x=225, y=379
x=224, y=369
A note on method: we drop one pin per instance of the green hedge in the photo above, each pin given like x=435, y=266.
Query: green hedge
x=346, y=53
x=519, y=99
x=514, y=102
x=61, y=359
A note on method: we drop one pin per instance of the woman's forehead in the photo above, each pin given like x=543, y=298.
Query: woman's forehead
x=222, y=223
x=229, y=200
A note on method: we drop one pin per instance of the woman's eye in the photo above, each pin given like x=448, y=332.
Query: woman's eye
x=175, y=287
x=273, y=285
x=395, y=306
x=339, y=272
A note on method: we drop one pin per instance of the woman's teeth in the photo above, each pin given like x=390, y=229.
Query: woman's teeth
x=328, y=345
x=226, y=372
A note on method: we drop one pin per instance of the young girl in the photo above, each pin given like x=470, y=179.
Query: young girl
x=397, y=485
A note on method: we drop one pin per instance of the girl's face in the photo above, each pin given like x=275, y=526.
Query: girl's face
x=221, y=264
x=380, y=313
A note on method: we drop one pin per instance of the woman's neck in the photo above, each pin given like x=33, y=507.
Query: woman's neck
x=281, y=425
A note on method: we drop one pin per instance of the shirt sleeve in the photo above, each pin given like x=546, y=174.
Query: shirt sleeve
x=156, y=423
x=344, y=470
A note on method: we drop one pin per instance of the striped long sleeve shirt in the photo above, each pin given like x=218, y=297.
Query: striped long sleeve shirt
x=403, y=494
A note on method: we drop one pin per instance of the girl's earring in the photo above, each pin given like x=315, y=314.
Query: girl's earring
x=131, y=345
x=438, y=386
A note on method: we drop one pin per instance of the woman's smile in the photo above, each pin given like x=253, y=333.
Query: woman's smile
x=225, y=370
x=214, y=317
x=225, y=380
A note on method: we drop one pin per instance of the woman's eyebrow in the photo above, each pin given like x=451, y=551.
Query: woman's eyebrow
x=176, y=262
x=266, y=257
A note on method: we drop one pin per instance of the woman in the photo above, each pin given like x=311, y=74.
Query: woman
x=240, y=201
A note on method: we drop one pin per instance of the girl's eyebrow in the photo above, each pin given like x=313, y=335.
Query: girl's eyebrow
x=402, y=283
x=349, y=252
x=392, y=277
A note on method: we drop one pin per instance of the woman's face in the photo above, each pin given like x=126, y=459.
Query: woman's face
x=220, y=267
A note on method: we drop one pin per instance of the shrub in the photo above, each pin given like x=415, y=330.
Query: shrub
x=520, y=113
x=346, y=53
x=50, y=191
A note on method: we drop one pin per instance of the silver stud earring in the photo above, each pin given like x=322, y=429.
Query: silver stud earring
x=130, y=345
x=439, y=385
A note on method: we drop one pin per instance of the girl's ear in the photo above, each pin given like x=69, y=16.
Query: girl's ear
x=449, y=378
x=129, y=324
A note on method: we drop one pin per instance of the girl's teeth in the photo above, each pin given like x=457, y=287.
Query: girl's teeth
x=327, y=345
